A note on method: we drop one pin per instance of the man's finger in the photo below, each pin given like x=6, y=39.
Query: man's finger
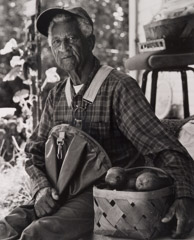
x=186, y=230
x=181, y=229
x=43, y=209
x=54, y=194
x=47, y=208
x=50, y=202
x=39, y=212
x=168, y=217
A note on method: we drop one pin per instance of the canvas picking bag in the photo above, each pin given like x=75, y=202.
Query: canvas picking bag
x=74, y=159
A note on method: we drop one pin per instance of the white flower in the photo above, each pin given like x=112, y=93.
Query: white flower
x=9, y=46
x=52, y=75
x=16, y=61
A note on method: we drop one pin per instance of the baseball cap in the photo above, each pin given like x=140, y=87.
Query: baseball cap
x=44, y=19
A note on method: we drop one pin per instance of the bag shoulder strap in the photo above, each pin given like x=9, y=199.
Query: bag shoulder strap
x=96, y=83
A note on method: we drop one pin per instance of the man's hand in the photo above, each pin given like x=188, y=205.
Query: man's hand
x=46, y=202
x=183, y=210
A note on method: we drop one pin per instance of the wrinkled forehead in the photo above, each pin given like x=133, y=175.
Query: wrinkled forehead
x=62, y=19
x=63, y=22
x=67, y=27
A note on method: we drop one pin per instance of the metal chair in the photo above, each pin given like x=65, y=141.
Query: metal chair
x=161, y=61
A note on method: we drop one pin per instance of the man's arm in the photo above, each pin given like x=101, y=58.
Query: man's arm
x=44, y=194
x=139, y=124
x=35, y=149
x=180, y=167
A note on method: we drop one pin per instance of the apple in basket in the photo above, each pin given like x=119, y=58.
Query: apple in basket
x=118, y=178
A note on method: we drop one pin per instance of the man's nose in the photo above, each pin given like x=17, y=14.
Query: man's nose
x=64, y=46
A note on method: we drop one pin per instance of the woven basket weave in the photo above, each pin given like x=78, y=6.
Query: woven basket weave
x=172, y=29
x=131, y=214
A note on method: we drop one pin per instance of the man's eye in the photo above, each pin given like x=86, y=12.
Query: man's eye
x=56, y=42
x=72, y=39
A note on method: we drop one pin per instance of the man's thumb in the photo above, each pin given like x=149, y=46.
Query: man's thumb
x=168, y=216
x=54, y=194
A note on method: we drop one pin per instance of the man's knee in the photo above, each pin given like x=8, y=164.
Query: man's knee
x=48, y=228
x=32, y=231
x=6, y=231
x=15, y=222
x=43, y=228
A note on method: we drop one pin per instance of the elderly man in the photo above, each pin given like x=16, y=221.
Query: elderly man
x=120, y=120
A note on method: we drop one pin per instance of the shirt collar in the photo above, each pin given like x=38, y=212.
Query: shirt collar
x=90, y=77
x=69, y=90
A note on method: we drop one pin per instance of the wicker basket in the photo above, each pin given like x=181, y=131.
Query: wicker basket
x=171, y=29
x=131, y=214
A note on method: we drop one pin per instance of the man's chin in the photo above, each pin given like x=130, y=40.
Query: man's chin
x=67, y=66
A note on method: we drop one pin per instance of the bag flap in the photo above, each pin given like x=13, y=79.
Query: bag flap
x=85, y=160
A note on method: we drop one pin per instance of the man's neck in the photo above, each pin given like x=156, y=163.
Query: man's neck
x=81, y=76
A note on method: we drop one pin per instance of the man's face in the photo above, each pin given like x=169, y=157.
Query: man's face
x=69, y=46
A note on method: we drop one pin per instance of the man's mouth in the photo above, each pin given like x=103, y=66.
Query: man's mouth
x=66, y=57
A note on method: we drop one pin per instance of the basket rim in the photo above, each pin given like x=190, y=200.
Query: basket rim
x=106, y=193
x=168, y=21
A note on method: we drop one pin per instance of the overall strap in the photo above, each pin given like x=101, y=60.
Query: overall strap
x=68, y=92
x=96, y=83
x=79, y=112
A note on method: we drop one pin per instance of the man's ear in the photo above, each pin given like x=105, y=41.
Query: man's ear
x=91, y=41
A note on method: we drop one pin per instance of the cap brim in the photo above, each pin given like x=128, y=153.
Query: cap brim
x=44, y=19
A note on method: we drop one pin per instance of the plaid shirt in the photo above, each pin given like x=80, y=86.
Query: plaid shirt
x=122, y=121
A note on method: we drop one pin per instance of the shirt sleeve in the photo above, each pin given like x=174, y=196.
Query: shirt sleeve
x=137, y=121
x=35, y=149
x=180, y=167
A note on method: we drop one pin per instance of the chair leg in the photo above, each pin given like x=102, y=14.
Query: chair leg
x=154, y=89
x=185, y=94
x=144, y=81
